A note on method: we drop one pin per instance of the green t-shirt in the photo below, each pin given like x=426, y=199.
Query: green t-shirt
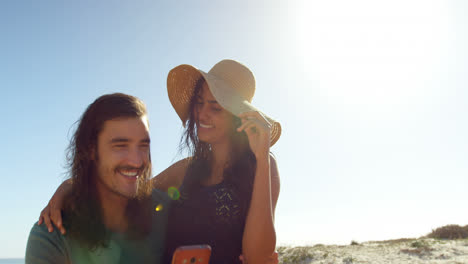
x=44, y=247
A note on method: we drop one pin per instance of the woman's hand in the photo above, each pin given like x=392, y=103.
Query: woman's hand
x=258, y=131
x=52, y=212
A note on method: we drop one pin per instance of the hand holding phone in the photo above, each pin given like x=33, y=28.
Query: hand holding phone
x=194, y=254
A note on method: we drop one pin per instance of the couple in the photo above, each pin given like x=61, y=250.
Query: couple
x=114, y=213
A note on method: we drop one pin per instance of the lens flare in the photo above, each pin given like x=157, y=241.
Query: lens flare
x=173, y=193
x=158, y=208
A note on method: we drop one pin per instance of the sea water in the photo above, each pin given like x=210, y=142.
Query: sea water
x=12, y=261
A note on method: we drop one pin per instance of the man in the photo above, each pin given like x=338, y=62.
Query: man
x=112, y=215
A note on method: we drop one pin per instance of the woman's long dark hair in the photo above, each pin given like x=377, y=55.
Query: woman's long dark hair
x=241, y=168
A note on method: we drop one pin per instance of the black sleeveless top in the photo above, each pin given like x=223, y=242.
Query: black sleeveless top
x=213, y=215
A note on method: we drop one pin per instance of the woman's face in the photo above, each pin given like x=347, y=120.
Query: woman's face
x=213, y=122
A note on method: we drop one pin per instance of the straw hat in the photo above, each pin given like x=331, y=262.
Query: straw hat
x=231, y=83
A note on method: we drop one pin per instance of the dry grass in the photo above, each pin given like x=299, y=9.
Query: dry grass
x=450, y=232
x=419, y=248
x=393, y=241
x=295, y=255
x=418, y=251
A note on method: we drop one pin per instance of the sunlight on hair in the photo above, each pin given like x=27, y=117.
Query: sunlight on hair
x=173, y=193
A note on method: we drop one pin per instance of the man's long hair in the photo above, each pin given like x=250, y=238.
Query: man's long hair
x=241, y=168
x=83, y=217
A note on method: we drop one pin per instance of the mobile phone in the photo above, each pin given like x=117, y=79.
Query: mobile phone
x=193, y=254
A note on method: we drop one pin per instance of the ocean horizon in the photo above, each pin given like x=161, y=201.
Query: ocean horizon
x=11, y=260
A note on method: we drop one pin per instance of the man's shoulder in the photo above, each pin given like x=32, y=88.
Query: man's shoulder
x=46, y=247
x=42, y=231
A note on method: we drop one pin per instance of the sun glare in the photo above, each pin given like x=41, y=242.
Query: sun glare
x=368, y=52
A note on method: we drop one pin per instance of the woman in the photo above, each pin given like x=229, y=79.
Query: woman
x=230, y=185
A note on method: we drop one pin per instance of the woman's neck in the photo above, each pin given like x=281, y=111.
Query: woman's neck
x=220, y=154
x=220, y=160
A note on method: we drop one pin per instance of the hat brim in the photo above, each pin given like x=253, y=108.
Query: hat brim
x=181, y=82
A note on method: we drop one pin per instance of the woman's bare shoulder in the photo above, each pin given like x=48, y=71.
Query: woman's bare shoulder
x=180, y=166
x=172, y=175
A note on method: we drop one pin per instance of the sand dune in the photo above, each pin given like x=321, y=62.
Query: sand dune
x=423, y=250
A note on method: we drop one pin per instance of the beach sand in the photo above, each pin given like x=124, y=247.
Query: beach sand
x=423, y=250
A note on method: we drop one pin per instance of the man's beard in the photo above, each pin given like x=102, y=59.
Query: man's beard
x=143, y=183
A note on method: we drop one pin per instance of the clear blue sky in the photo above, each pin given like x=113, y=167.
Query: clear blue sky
x=372, y=97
